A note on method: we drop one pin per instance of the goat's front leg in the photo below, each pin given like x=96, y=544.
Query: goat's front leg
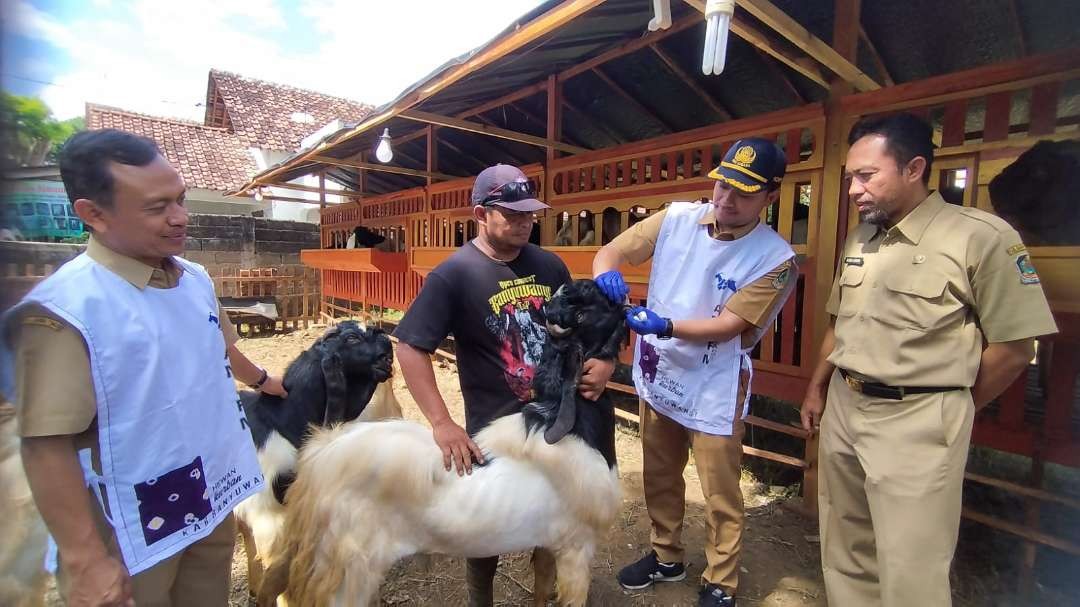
x=255, y=567
x=572, y=565
x=543, y=561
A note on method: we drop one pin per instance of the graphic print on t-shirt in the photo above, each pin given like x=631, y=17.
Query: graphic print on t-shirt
x=518, y=323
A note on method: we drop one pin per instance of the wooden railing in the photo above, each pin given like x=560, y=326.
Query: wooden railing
x=295, y=291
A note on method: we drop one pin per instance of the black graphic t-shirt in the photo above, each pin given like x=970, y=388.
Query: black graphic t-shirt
x=494, y=310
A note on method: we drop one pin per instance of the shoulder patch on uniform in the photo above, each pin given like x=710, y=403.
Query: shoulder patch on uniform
x=42, y=321
x=1016, y=248
x=1028, y=276
x=781, y=279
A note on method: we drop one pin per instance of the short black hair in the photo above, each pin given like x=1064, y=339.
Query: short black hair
x=85, y=157
x=906, y=137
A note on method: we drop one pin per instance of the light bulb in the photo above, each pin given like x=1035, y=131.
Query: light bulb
x=718, y=15
x=383, y=151
x=258, y=194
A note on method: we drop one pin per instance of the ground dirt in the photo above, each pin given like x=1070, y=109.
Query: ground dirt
x=780, y=564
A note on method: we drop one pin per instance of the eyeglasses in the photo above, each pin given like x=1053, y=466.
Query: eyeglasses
x=515, y=216
x=510, y=192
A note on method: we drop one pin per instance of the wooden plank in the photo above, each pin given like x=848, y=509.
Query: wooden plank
x=938, y=89
x=782, y=23
x=1025, y=490
x=633, y=45
x=1064, y=367
x=761, y=422
x=690, y=82
x=952, y=127
x=314, y=190
x=748, y=32
x=483, y=129
x=875, y=56
x=1022, y=531
x=1044, y=107
x=384, y=168
x=997, y=116
x=776, y=457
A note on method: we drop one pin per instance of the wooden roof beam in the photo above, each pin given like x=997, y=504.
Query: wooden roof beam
x=382, y=168
x=782, y=76
x=543, y=121
x=879, y=63
x=597, y=124
x=634, y=103
x=634, y=45
x=483, y=129
x=699, y=90
x=769, y=14
x=748, y=32
x=313, y=190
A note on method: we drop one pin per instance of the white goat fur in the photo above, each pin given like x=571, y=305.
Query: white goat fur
x=369, y=494
x=23, y=535
x=260, y=517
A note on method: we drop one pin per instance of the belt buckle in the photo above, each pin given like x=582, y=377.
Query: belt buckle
x=854, y=384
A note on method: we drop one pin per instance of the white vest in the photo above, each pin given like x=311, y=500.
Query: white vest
x=693, y=276
x=176, y=453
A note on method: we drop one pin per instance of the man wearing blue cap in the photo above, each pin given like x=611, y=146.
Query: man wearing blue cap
x=721, y=278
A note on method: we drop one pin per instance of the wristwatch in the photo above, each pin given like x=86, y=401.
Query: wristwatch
x=669, y=328
x=262, y=380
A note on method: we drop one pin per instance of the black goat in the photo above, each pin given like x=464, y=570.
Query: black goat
x=1039, y=193
x=331, y=382
x=367, y=495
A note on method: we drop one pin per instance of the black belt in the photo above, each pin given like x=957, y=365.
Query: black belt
x=870, y=388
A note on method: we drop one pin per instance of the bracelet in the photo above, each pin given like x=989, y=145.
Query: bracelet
x=262, y=380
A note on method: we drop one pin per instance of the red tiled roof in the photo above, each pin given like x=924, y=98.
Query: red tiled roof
x=207, y=157
x=275, y=116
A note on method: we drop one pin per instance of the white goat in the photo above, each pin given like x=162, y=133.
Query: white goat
x=369, y=494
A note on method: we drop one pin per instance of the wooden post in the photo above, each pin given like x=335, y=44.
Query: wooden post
x=322, y=189
x=845, y=37
x=554, y=130
x=432, y=153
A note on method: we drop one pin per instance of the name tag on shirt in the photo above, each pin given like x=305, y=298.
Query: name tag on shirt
x=853, y=261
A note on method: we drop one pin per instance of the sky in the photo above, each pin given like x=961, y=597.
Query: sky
x=153, y=56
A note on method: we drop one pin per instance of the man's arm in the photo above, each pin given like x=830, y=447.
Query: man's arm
x=814, y=402
x=999, y=366
x=249, y=373
x=721, y=328
x=452, y=439
x=56, y=481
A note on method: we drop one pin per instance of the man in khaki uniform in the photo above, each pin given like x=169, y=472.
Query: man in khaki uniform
x=724, y=321
x=57, y=406
x=936, y=307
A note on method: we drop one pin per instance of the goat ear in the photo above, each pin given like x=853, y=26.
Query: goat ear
x=334, y=378
x=567, y=415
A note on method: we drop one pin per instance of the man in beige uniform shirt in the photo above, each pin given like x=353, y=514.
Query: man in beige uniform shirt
x=936, y=307
x=57, y=413
x=739, y=196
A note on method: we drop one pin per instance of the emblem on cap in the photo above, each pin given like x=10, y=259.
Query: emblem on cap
x=744, y=156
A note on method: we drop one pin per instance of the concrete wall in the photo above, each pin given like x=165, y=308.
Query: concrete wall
x=223, y=242
x=219, y=242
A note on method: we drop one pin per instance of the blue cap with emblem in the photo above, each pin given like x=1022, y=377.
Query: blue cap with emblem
x=751, y=164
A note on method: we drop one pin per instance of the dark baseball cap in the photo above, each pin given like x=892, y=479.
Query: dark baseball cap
x=751, y=164
x=506, y=186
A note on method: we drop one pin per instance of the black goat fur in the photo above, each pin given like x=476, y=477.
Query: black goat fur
x=330, y=382
x=592, y=327
x=1039, y=193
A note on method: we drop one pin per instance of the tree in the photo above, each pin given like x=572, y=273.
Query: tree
x=30, y=135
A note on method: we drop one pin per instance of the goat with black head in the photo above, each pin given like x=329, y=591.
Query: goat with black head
x=367, y=495
x=1038, y=194
x=341, y=377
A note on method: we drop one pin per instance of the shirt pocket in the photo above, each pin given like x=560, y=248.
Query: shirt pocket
x=914, y=300
x=851, y=279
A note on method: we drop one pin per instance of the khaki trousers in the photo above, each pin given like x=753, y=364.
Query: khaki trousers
x=666, y=445
x=198, y=575
x=889, y=493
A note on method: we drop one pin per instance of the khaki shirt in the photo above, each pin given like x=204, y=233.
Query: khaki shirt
x=755, y=303
x=54, y=391
x=915, y=302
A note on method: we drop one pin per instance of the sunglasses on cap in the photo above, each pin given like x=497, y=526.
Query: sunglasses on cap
x=510, y=192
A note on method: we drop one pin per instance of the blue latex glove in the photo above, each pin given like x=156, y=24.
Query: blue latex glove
x=652, y=325
x=613, y=285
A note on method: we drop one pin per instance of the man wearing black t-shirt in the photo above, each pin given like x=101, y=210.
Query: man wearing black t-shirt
x=490, y=295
